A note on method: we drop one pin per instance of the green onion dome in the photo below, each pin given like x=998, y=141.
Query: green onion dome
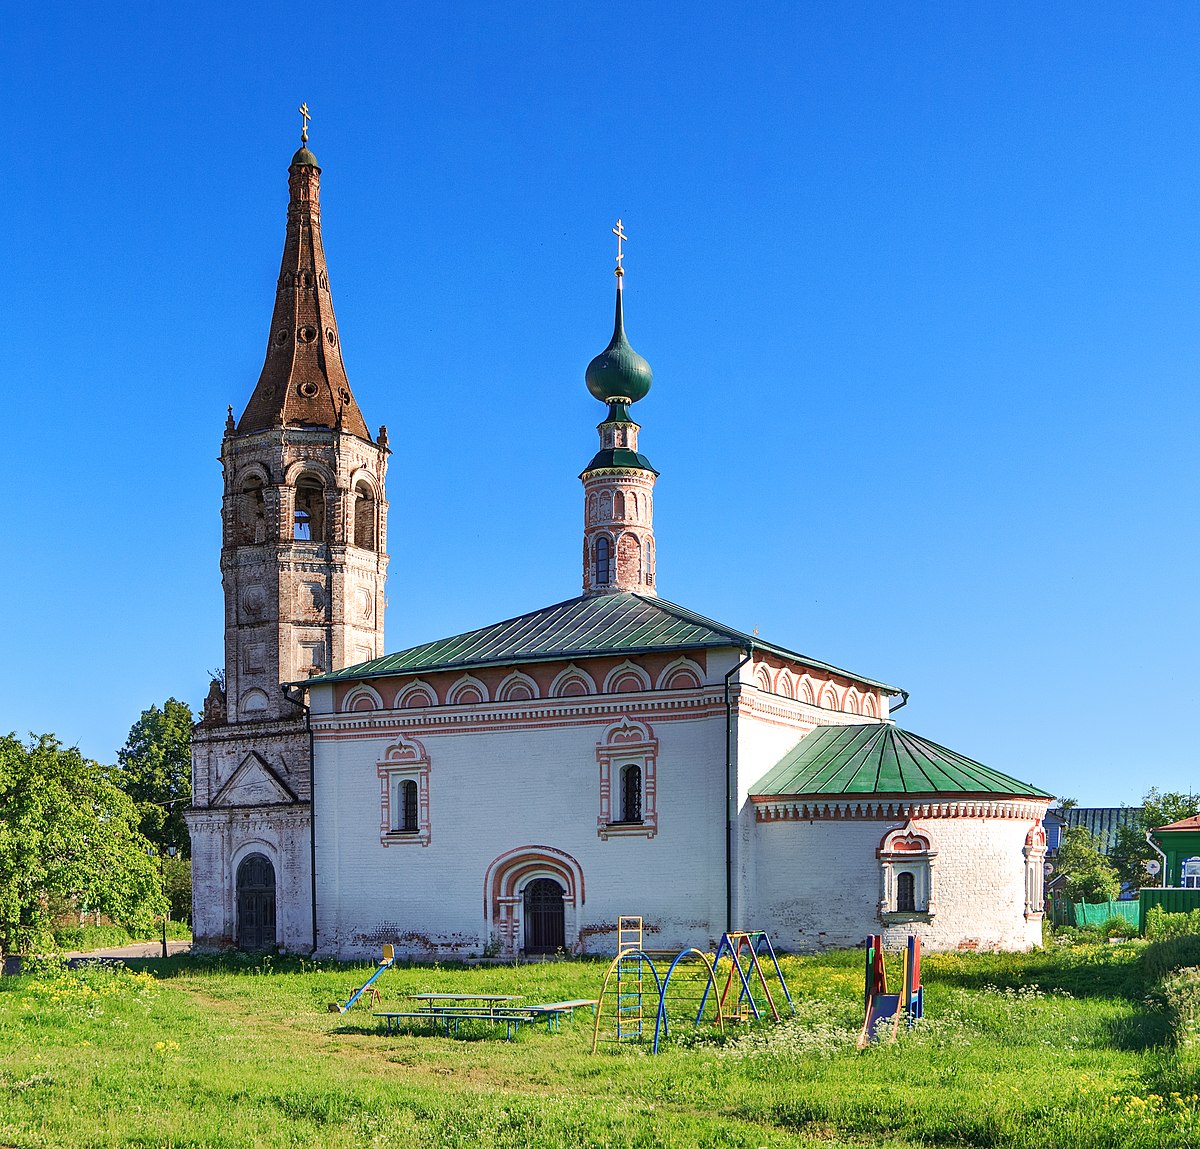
x=619, y=372
x=304, y=158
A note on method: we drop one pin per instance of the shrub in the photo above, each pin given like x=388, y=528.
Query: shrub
x=1181, y=993
x=1162, y=958
x=1161, y=925
x=1119, y=926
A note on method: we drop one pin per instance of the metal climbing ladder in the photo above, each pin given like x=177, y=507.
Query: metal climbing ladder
x=630, y=973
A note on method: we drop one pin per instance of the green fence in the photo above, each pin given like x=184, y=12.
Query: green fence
x=1097, y=913
x=1172, y=899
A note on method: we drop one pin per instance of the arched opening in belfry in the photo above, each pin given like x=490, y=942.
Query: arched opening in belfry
x=255, y=903
x=364, y=517
x=545, y=920
x=252, y=511
x=309, y=517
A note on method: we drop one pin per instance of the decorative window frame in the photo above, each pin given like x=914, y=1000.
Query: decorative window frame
x=1189, y=881
x=1034, y=852
x=627, y=743
x=403, y=761
x=908, y=848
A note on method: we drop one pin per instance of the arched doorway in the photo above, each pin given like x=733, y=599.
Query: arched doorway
x=256, y=903
x=545, y=927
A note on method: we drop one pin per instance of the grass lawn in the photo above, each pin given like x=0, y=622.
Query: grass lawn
x=1044, y=1049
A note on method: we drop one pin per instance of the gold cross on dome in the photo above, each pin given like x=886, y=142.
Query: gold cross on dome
x=619, y=232
x=303, y=110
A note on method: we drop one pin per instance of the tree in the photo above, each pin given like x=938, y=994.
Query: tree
x=1131, y=851
x=67, y=833
x=1088, y=875
x=155, y=770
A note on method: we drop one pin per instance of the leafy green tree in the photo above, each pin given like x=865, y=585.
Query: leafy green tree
x=1088, y=875
x=1131, y=851
x=67, y=833
x=155, y=770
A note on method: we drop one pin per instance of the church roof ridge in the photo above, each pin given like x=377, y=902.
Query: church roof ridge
x=880, y=758
x=624, y=623
x=303, y=380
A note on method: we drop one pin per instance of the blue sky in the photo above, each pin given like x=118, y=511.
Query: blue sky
x=920, y=285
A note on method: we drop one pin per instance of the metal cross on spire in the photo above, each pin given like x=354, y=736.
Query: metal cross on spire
x=303, y=110
x=619, y=232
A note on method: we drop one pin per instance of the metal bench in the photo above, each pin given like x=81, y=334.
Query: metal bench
x=451, y=1017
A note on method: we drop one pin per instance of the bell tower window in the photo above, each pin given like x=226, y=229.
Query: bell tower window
x=252, y=512
x=308, y=521
x=364, y=517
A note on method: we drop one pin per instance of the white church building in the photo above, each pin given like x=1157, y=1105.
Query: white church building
x=514, y=789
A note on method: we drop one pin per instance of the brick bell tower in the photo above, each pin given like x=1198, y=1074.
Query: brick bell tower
x=303, y=565
x=618, y=484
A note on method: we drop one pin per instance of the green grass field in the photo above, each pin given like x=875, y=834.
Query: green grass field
x=1044, y=1049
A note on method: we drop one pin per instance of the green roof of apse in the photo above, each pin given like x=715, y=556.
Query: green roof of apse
x=879, y=758
x=620, y=624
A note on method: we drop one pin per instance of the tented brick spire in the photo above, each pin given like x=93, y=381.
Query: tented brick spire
x=303, y=380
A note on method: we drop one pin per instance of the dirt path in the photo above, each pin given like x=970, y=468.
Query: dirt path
x=134, y=950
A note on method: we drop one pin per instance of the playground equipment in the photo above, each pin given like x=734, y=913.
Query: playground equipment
x=882, y=1006
x=744, y=951
x=691, y=982
x=385, y=964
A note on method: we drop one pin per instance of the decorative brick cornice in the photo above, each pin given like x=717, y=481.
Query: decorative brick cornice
x=291, y=817
x=535, y=714
x=876, y=809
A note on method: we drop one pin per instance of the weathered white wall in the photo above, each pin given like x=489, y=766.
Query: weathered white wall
x=494, y=790
x=237, y=808
x=818, y=884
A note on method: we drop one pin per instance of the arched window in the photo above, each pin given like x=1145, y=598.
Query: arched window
x=406, y=808
x=1191, y=874
x=631, y=794
x=603, y=561
x=906, y=896
x=364, y=517
x=252, y=512
x=618, y=505
x=309, y=518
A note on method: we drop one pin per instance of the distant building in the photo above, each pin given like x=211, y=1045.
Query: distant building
x=1100, y=821
x=520, y=786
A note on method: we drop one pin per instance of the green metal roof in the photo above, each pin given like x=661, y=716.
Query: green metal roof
x=880, y=759
x=621, y=624
x=619, y=457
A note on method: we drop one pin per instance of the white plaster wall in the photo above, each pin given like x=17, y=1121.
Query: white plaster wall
x=493, y=791
x=818, y=884
x=221, y=839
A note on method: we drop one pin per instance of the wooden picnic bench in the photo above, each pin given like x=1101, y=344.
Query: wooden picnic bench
x=451, y=1008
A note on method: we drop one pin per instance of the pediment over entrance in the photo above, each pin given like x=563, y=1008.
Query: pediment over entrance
x=254, y=783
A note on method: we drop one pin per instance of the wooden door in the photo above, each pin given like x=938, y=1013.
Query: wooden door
x=256, y=903
x=545, y=930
